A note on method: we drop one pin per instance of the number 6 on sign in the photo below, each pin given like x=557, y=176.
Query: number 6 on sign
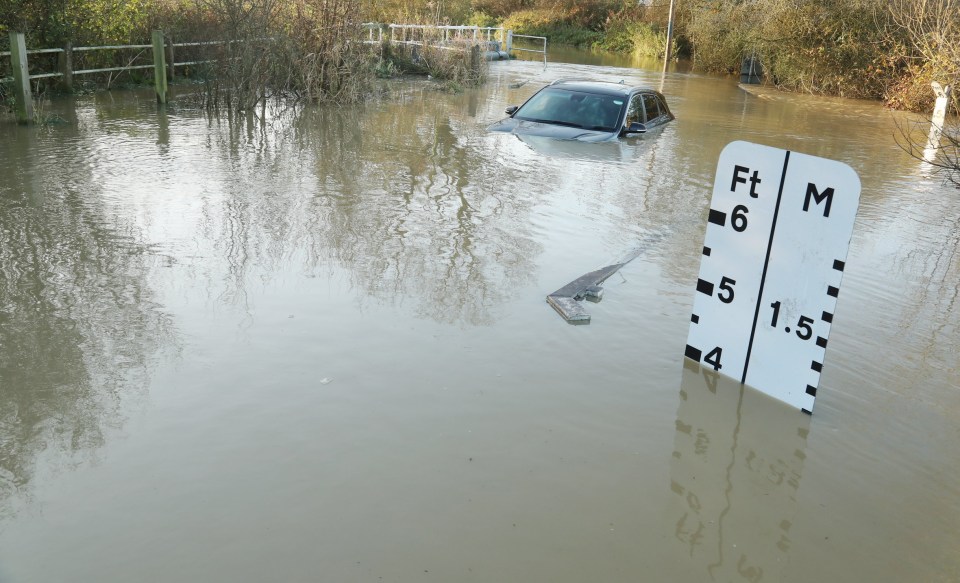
x=773, y=257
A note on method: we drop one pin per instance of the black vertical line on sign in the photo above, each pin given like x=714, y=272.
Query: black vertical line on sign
x=766, y=264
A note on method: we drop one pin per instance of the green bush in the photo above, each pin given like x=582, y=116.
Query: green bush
x=637, y=37
x=482, y=19
x=837, y=48
x=559, y=27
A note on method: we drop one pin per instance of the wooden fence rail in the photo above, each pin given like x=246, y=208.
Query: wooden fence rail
x=162, y=53
x=163, y=59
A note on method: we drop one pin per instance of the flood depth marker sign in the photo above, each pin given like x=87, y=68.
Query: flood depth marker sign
x=773, y=256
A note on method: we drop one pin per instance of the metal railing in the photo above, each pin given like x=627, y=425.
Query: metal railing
x=445, y=33
x=539, y=38
x=441, y=34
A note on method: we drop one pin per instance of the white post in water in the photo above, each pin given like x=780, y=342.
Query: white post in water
x=668, y=51
x=936, y=122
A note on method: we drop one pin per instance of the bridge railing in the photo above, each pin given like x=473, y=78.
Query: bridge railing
x=440, y=34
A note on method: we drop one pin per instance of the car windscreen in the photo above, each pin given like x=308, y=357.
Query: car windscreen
x=577, y=109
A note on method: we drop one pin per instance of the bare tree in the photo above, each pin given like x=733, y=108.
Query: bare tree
x=931, y=29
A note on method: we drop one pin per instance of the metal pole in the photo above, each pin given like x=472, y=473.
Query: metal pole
x=668, y=53
x=21, y=78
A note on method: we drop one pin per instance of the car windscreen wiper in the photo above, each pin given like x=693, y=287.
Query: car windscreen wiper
x=551, y=121
x=566, y=124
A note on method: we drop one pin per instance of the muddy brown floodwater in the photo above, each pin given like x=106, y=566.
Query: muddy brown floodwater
x=316, y=347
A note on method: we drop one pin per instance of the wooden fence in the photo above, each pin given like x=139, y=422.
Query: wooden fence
x=163, y=59
x=162, y=63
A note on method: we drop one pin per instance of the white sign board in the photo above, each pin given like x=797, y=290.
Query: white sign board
x=773, y=256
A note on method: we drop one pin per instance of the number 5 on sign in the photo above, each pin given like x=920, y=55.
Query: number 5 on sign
x=774, y=252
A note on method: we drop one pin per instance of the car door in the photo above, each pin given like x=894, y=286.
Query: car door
x=652, y=111
x=635, y=112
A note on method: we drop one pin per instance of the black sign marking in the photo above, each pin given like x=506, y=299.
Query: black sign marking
x=754, y=180
x=832, y=291
x=838, y=265
x=717, y=218
x=816, y=366
x=826, y=317
x=707, y=250
x=692, y=353
x=821, y=342
x=695, y=318
x=812, y=391
x=705, y=287
x=818, y=197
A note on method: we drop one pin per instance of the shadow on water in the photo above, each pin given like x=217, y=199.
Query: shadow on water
x=78, y=322
x=737, y=463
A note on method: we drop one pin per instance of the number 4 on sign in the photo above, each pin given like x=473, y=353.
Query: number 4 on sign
x=774, y=253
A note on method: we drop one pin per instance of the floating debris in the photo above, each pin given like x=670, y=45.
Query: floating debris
x=566, y=300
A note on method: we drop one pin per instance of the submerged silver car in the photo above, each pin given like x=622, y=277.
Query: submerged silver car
x=588, y=111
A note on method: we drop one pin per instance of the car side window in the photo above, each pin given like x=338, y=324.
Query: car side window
x=650, y=105
x=663, y=106
x=635, y=111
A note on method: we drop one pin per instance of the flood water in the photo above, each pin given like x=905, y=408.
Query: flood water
x=316, y=347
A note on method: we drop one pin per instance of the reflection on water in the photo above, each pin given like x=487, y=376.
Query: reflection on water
x=78, y=320
x=331, y=326
x=410, y=213
x=737, y=463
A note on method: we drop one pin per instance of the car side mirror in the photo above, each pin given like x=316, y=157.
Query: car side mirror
x=512, y=109
x=636, y=128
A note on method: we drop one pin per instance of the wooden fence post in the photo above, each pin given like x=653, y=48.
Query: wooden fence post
x=66, y=67
x=172, y=60
x=159, y=67
x=475, y=61
x=21, y=78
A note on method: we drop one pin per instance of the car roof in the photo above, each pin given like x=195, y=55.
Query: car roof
x=602, y=87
